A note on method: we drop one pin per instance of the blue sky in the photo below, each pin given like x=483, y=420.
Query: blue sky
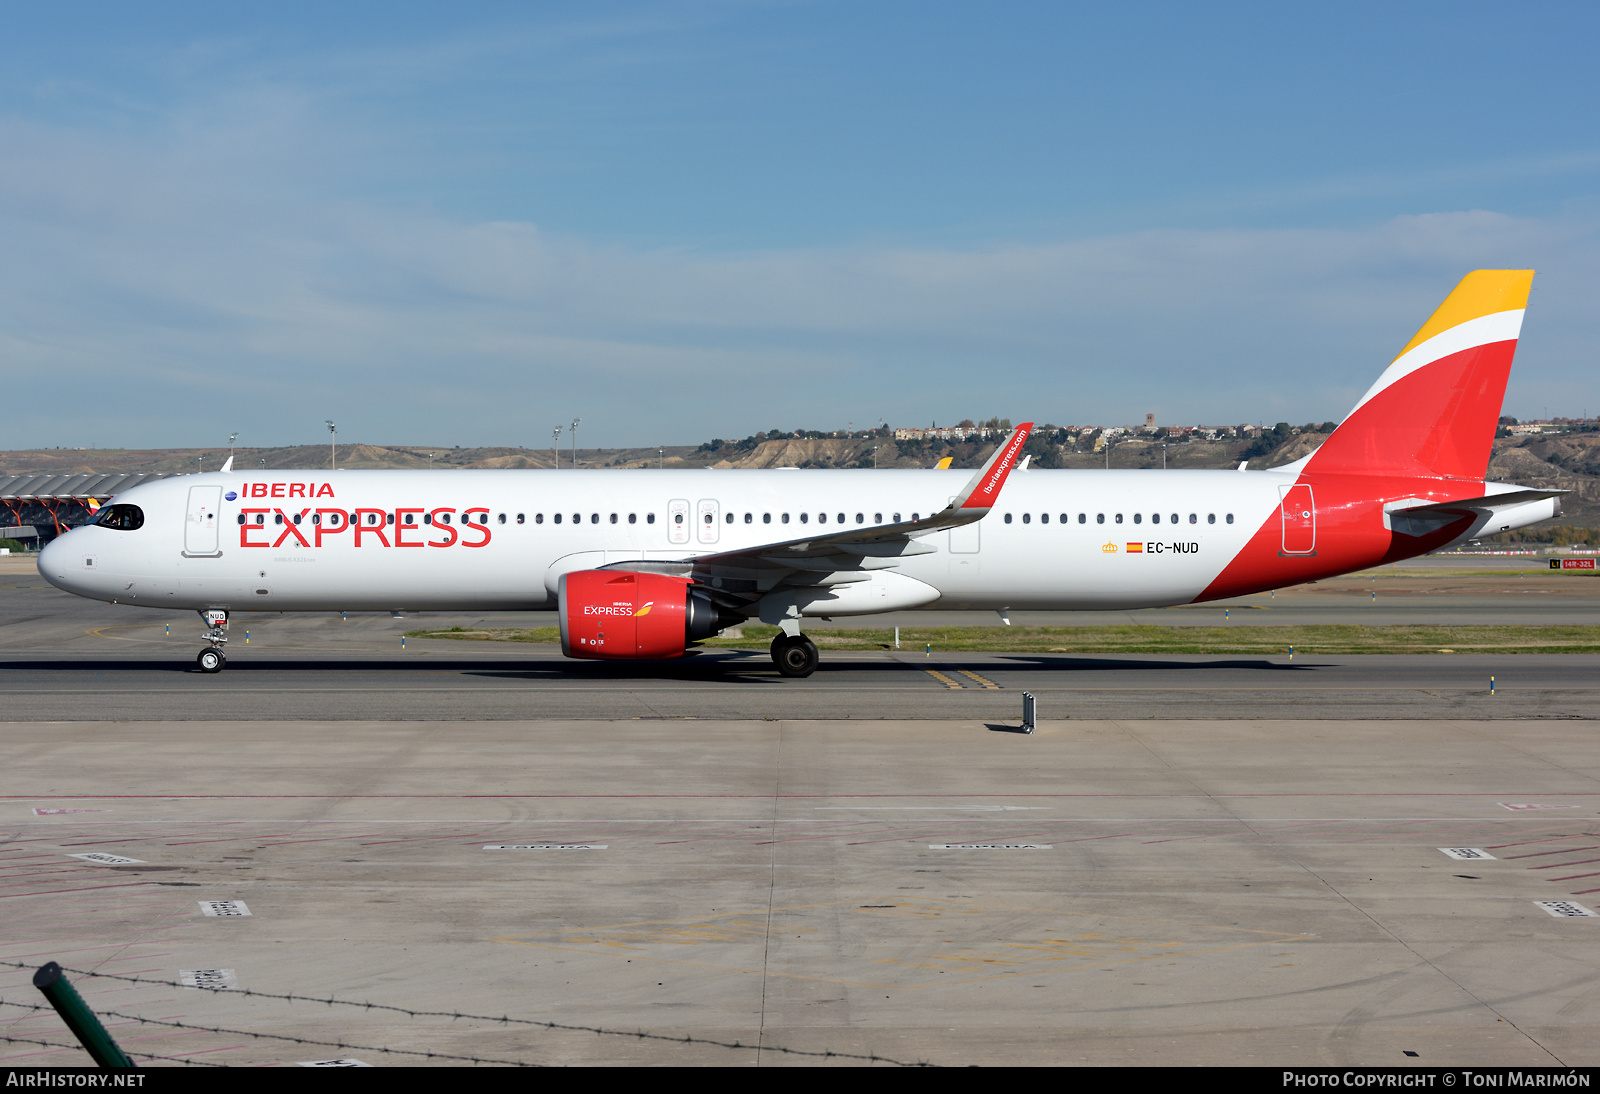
x=463, y=224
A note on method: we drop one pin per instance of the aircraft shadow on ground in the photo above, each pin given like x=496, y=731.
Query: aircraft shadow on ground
x=732, y=666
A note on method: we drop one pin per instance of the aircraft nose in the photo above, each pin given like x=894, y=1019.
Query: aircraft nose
x=53, y=564
x=50, y=556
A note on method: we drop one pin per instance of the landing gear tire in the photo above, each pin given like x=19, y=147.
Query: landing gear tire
x=210, y=660
x=795, y=656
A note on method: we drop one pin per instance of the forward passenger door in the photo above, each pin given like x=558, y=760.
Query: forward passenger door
x=200, y=527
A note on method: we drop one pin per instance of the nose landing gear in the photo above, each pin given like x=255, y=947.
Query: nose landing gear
x=212, y=659
x=794, y=655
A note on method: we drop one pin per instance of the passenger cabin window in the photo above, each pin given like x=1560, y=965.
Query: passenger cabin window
x=1138, y=518
x=557, y=518
x=1083, y=518
x=841, y=518
x=613, y=518
x=877, y=518
x=1044, y=518
x=1230, y=518
x=594, y=518
x=749, y=518
x=1211, y=518
x=804, y=517
x=650, y=518
x=786, y=518
x=766, y=518
x=633, y=518
x=1119, y=518
x=1174, y=518
x=861, y=518
x=822, y=518
x=121, y=518
x=728, y=521
x=522, y=518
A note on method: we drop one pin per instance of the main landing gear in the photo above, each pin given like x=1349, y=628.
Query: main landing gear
x=212, y=659
x=794, y=656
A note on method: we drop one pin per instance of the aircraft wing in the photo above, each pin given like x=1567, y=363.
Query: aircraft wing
x=737, y=577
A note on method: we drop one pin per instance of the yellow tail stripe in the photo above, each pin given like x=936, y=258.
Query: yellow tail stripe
x=1480, y=293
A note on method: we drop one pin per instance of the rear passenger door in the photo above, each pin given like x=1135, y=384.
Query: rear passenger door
x=1299, y=514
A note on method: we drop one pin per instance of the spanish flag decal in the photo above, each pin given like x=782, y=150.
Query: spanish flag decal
x=1136, y=548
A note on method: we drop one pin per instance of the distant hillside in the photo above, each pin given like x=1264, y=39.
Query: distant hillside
x=315, y=457
x=1567, y=461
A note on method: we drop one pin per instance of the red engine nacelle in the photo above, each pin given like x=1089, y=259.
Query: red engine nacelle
x=634, y=616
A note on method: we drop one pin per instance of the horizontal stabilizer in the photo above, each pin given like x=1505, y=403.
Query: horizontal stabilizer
x=1490, y=514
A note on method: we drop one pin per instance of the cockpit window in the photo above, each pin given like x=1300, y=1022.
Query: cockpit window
x=124, y=518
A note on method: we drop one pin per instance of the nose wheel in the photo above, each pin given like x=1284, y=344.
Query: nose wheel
x=796, y=656
x=211, y=659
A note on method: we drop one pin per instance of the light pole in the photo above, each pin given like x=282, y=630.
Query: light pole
x=575, y=422
x=555, y=446
x=874, y=457
x=231, y=438
x=333, y=441
x=661, y=458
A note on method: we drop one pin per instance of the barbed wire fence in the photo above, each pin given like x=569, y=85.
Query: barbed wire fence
x=410, y=1055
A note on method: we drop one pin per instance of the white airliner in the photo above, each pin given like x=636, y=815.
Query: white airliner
x=642, y=564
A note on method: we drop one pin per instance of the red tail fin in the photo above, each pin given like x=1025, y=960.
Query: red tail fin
x=1433, y=411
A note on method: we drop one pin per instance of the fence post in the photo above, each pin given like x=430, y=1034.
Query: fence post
x=79, y=1018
